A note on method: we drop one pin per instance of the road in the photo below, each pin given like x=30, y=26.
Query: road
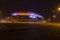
x=30, y=31
x=36, y=23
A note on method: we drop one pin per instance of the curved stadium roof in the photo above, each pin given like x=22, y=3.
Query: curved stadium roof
x=31, y=14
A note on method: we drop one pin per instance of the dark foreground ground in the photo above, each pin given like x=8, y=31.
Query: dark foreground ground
x=29, y=32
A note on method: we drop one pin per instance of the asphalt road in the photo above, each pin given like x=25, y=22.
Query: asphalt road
x=30, y=31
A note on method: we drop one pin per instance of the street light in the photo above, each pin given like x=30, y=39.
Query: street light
x=56, y=14
x=59, y=9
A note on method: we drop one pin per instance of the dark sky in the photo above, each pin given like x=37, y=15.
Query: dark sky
x=42, y=7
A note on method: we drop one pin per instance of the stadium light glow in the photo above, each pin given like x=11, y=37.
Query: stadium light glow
x=14, y=14
x=30, y=14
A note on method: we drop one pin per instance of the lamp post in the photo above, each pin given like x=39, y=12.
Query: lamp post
x=58, y=14
x=54, y=16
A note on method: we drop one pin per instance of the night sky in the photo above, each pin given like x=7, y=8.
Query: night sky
x=43, y=7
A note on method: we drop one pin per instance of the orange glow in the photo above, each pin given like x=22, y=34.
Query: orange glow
x=59, y=8
x=24, y=13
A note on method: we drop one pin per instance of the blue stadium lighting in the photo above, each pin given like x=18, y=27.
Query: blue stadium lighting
x=32, y=16
x=36, y=15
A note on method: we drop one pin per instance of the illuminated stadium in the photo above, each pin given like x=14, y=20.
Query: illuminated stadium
x=27, y=17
